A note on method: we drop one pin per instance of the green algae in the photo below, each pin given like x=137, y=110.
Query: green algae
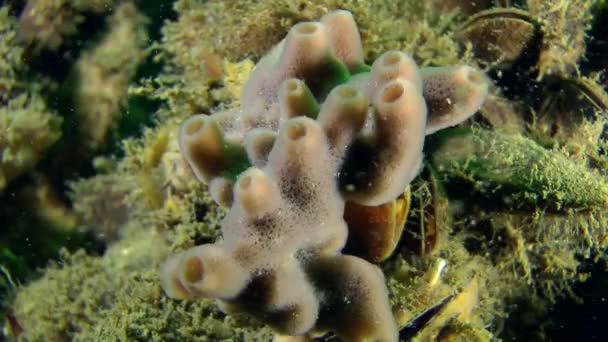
x=564, y=24
x=118, y=296
x=520, y=170
x=28, y=130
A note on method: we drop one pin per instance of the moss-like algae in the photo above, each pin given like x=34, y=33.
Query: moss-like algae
x=118, y=297
x=104, y=72
x=564, y=24
x=27, y=129
x=525, y=172
x=45, y=24
x=27, y=126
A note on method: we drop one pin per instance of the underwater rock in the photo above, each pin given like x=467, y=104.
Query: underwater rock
x=99, y=205
x=514, y=256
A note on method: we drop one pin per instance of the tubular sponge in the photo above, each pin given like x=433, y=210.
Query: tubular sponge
x=316, y=128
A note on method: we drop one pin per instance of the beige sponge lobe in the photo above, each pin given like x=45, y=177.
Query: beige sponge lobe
x=252, y=185
x=395, y=149
x=453, y=94
x=201, y=143
x=301, y=55
x=296, y=99
x=220, y=190
x=344, y=36
x=360, y=312
x=306, y=45
x=208, y=147
x=342, y=117
x=203, y=271
x=169, y=278
x=258, y=144
x=294, y=293
x=392, y=65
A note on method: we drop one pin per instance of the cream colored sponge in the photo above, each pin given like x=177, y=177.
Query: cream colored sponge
x=316, y=127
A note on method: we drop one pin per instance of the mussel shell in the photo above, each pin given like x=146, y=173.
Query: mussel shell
x=465, y=6
x=429, y=218
x=588, y=92
x=499, y=36
x=566, y=102
x=374, y=232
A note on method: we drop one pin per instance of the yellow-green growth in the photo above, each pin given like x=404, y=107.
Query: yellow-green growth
x=104, y=73
x=117, y=296
x=519, y=169
x=563, y=24
x=11, y=55
x=413, y=292
x=99, y=205
x=229, y=29
x=45, y=24
x=27, y=130
x=546, y=249
x=143, y=313
x=27, y=127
